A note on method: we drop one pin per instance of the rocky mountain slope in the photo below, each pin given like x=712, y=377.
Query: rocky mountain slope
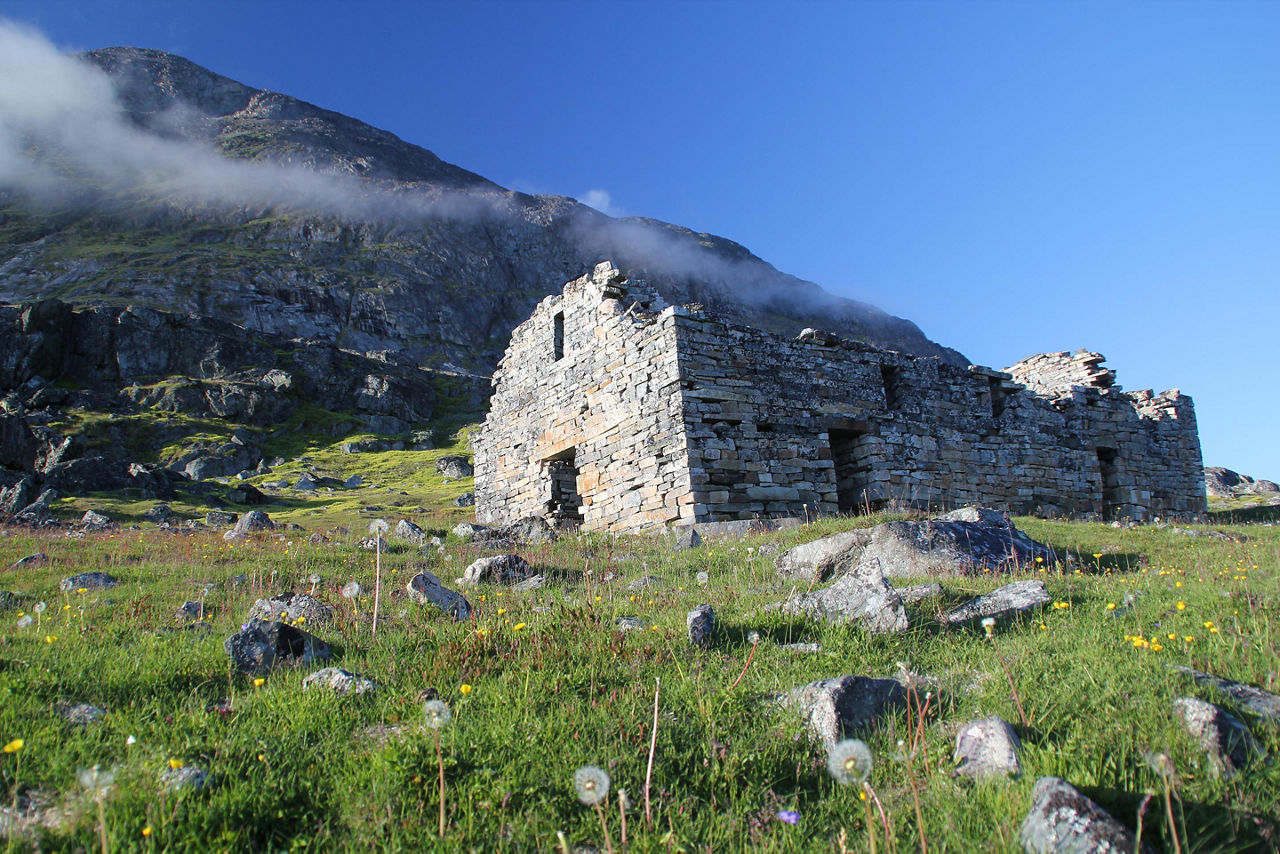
x=195, y=265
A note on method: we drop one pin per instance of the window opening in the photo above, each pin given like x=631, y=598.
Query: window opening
x=854, y=458
x=565, y=502
x=558, y=339
x=891, y=377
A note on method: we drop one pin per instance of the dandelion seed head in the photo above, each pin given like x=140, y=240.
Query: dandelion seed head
x=592, y=784
x=436, y=713
x=25, y=621
x=39, y=607
x=351, y=589
x=378, y=526
x=850, y=761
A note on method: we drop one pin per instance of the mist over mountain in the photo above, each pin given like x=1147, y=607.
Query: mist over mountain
x=136, y=177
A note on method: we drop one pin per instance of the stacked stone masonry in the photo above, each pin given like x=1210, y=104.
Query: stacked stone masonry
x=615, y=412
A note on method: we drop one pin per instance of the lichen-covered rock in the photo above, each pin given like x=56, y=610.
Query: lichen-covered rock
x=497, y=569
x=455, y=466
x=701, y=623
x=950, y=547
x=988, y=748
x=94, y=521
x=861, y=595
x=192, y=611
x=1003, y=601
x=254, y=520
x=407, y=530
x=292, y=608
x=834, y=709
x=425, y=589
x=1063, y=821
x=1262, y=703
x=87, y=581
x=262, y=645
x=80, y=714
x=919, y=592
x=1227, y=741
x=821, y=559
x=339, y=681
x=185, y=777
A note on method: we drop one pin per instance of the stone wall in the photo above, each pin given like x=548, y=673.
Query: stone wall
x=673, y=416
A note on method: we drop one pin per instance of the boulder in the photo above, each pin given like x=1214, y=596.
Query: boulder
x=87, y=581
x=94, y=521
x=189, y=777
x=701, y=623
x=821, y=559
x=951, y=547
x=220, y=518
x=254, y=520
x=835, y=709
x=988, y=748
x=454, y=466
x=684, y=537
x=79, y=714
x=192, y=611
x=160, y=514
x=247, y=495
x=338, y=681
x=1063, y=821
x=466, y=499
x=407, y=530
x=290, y=608
x=919, y=592
x=425, y=589
x=466, y=531
x=1227, y=741
x=1001, y=602
x=533, y=530
x=36, y=559
x=264, y=644
x=498, y=569
x=1264, y=704
x=861, y=595
x=17, y=496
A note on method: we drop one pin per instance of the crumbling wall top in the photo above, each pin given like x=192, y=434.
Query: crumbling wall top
x=1048, y=373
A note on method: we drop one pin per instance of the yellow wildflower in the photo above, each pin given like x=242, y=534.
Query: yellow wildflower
x=465, y=689
x=14, y=746
x=517, y=627
x=175, y=764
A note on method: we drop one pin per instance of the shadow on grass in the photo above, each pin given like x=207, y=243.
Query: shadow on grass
x=1244, y=515
x=1201, y=827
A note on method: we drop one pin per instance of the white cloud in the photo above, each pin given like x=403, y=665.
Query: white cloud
x=601, y=201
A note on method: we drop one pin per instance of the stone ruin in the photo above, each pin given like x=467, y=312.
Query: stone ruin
x=613, y=411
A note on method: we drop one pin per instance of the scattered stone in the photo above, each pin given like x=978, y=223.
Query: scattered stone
x=407, y=530
x=1261, y=703
x=834, y=709
x=264, y=644
x=353, y=482
x=425, y=589
x=467, y=531
x=339, y=681
x=497, y=569
x=318, y=539
x=185, y=777
x=1001, y=602
x=684, y=537
x=87, y=581
x=247, y=495
x=37, y=559
x=919, y=592
x=94, y=521
x=533, y=582
x=466, y=499
x=533, y=530
x=378, y=543
x=454, y=466
x=1222, y=735
x=628, y=624
x=220, y=518
x=644, y=582
x=821, y=559
x=290, y=608
x=988, y=748
x=192, y=612
x=161, y=514
x=1063, y=821
x=808, y=648
x=701, y=622
x=306, y=484
x=8, y=600
x=859, y=596
x=80, y=714
x=254, y=520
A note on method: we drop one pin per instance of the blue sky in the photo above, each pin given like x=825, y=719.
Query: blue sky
x=1014, y=177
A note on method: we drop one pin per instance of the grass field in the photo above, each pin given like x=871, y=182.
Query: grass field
x=541, y=683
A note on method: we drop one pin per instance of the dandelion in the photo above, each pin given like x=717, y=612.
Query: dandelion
x=1182, y=606
x=849, y=761
x=259, y=682
x=50, y=638
x=377, y=527
x=1111, y=606
x=130, y=741
x=14, y=746
x=518, y=626
x=351, y=590
x=437, y=715
x=989, y=626
x=146, y=831
x=25, y=621
x=591, y=783
x=97, y=782
x=464, y=689
x=175, y=764
x=702, y=578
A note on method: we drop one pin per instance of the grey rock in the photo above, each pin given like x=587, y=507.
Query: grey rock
x=339, y=681
x=919, y=592
x=629, y=624
x=306, y=484
x=247, y=495
x=821, y=559
x=454, y=466
x=94, y=521
x=264, y=644
x=220, y=518
x=88, y=581
x=8, y=600
x=160, y=514
x=466, y=499
x=407, y=530
x=186, y=777
x=254, y=520
x=37, y=559
x=533, y=582
x=1261, y=703
x=497, y=569
x=808, y=648
x=1001, y=602
x=988, y=748
x=701, y=623
x=684, y=537
x=467, y=531
x=425, y=589
x=290, y=607
x=861, y=595
x=80, y=714
x=645, y=581
x=949, y=547
x=353, y=482
x=1063, y=821
x=1227, y=741
x=533, y=530
x=193, y=611
x=834, y=709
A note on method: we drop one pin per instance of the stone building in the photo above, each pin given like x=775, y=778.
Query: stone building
x=615, y=412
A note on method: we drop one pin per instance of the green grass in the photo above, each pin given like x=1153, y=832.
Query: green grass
x=554, y=686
